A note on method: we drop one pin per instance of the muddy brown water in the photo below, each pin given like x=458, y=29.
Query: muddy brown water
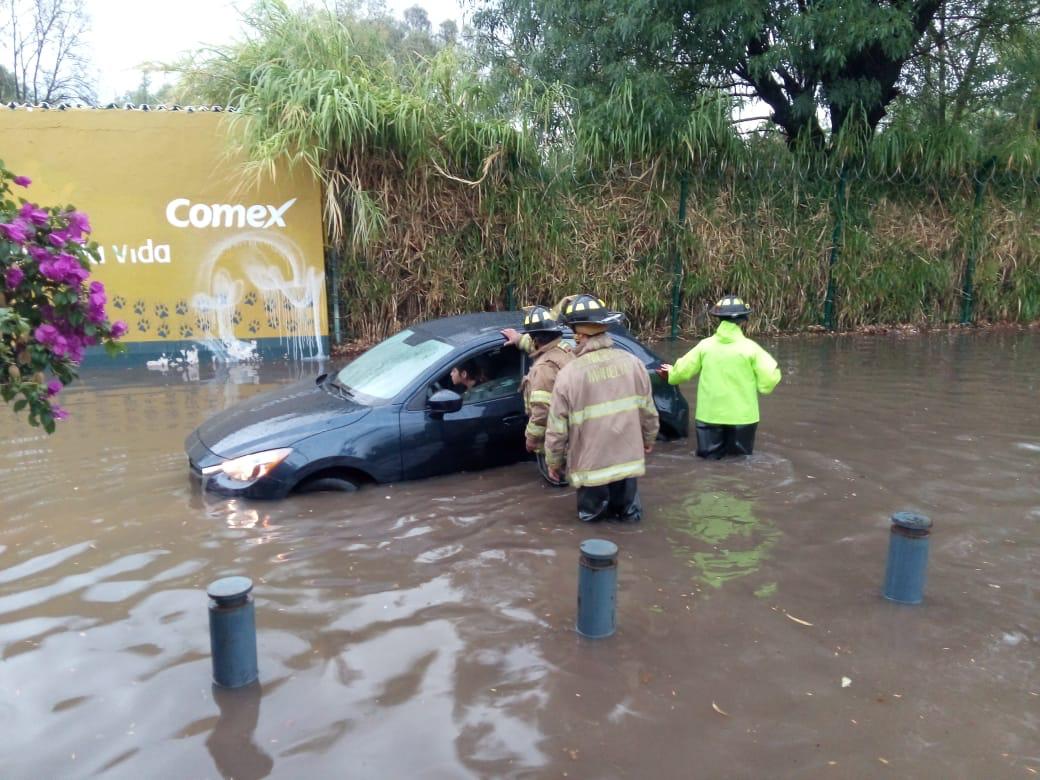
x=426, y=629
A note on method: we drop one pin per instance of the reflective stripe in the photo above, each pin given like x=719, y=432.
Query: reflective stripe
x=608, y=408
x=608, y=474
x=554, y=461
x=557, y=424
x=535, y=431
x=540, y=397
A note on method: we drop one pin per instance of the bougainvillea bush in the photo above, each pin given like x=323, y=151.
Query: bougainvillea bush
x=50, y=310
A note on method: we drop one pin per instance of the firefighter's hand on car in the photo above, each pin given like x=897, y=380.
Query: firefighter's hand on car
x=533, y=446
x=663, y=370
x=555, y=475
x=648, y=448
x=511, y=335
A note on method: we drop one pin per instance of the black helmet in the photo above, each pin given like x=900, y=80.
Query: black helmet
x=538, y=319
x=730, y=308
x=588, y=310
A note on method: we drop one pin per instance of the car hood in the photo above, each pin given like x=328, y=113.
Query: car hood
x=278, y=418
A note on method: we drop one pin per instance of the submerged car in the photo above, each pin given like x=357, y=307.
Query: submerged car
x=392, y=414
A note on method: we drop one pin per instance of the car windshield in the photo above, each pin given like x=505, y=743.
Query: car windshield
x=385, y=370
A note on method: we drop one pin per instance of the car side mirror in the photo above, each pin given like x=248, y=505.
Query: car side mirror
x=444, y=402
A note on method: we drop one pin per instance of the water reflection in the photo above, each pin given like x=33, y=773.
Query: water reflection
x=231, y=743
x=718, y=532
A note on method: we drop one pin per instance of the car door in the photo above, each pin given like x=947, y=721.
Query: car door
x=487, y=431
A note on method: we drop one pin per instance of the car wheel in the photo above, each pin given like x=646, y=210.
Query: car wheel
x=328, y=484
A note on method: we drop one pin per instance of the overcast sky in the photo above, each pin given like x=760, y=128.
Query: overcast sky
x=127, y=33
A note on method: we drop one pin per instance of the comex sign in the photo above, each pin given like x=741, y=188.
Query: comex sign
x=182, y=213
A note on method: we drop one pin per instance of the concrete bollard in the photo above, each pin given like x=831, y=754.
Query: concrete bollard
x=597, y=588
x=232, y=632
x=907, y=566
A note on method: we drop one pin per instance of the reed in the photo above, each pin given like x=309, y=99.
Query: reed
x=442, y=198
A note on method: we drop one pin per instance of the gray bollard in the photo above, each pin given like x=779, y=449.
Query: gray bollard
x=232, y=632
x=907, y=566
x=597, y=588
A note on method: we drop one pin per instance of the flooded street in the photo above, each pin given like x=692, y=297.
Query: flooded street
x=426, y=629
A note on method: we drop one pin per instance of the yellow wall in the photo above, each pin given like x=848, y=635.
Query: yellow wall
x=125, y=168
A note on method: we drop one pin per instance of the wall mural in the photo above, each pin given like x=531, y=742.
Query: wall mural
x=188, y=251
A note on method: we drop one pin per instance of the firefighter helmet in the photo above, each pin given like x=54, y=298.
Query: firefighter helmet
x=730, y=308
x=588, y=310
x=538, y=319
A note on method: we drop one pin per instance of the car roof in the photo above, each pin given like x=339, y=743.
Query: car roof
x=466, y=328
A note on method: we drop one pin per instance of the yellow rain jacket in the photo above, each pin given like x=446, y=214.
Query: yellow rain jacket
x=537, y=387
x=601, y=416
x=734, y=370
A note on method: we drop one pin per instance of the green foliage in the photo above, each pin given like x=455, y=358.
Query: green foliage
x=445, y=192
x=48, y=312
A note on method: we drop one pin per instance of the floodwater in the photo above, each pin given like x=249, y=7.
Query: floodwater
x=427, y=629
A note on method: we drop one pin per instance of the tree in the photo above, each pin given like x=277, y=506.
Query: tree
x=145, y=95
x=416, y=20
x=448, y=32
x=46, y=48
x=977, y=56
x=819, y=66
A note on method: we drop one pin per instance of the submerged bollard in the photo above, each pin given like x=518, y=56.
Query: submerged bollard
x=232, y=632
x=907, y=564
x=597, y=588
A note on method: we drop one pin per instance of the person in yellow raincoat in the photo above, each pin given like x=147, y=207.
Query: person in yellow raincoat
x=733, y=371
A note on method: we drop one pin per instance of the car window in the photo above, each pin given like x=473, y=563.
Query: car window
x=383, y=371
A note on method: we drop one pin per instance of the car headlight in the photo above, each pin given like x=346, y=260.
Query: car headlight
x=249, y=468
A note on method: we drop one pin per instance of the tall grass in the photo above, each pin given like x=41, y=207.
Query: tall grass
x=441, y=198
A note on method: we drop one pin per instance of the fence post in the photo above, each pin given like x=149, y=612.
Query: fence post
x=677, y=269
x=332, y=289
x=967, y=287
x=839, y=225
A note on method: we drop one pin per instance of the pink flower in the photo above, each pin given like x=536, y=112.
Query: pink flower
x=45, y=334
x=58, y=238
x=22, y=181
x=17, y=230
x=118, y=329
x=14, y=276
x=79, y=222
x=54, y=387
x=58, y=412
x=39, y=254
x=34, y=214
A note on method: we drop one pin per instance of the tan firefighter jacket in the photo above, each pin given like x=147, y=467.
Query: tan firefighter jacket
x=601, y=416
x=538, y=385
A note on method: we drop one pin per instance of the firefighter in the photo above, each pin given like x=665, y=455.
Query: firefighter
x=550, y=354
x=602, y=419
x=733, y=371
x=523, y=341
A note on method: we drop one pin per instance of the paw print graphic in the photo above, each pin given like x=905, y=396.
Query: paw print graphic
x=119, y=301
x=143, y=325
x=272, y=322
x=163, y=330
x=250, y=299
x=201, y=324
x=269, y=307
x=161, y=311
x=186, y=332
x=181, y=308
x=290, y=326
x=237, y=316
x=139, y=307
x=254, y=326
